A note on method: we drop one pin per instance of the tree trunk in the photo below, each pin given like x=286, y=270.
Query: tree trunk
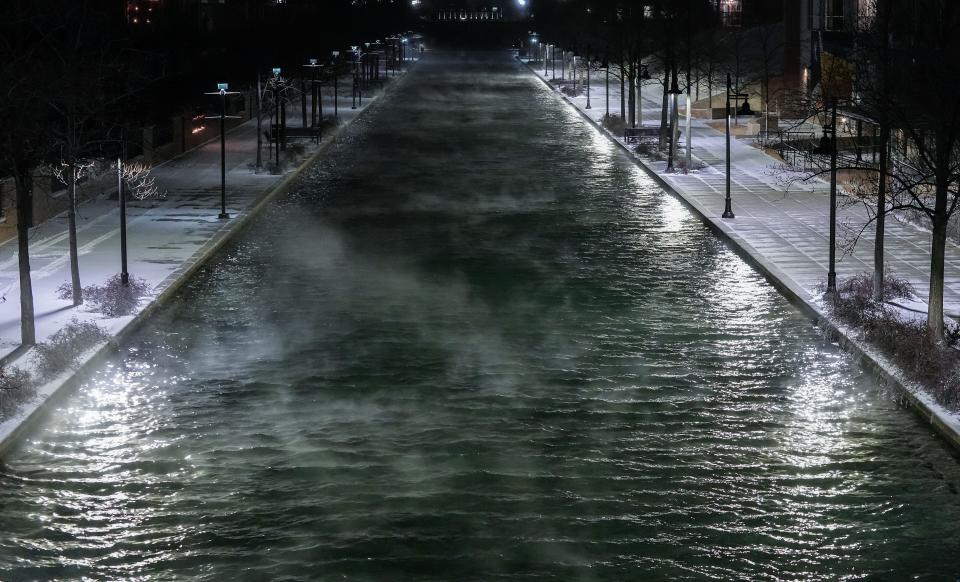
x=935, y=298
x=72, y=227
x=623, y=96
x=631, y=76
x=24, y=184
x=878, y=274
x=710, y=91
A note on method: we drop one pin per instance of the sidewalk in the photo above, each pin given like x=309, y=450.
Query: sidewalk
x=786, y=227
x=163, y=237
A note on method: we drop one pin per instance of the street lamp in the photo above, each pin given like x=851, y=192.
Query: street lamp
x=832, y=268
x=586, y=62
x=222, y=91
x=315, y=95
x=280, y=113
x=727, y=208
x=336, y=89
x=355, y=50
x=674, y=91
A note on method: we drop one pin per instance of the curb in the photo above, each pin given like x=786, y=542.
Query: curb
x=945, y=424
x=13, y=430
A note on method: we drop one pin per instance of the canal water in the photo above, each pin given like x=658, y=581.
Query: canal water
x=476, y=343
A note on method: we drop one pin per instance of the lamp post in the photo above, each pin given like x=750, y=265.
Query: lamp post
x=222, y=91
x=365, y=61
x=832, y=268
x=674, y=91
x=315, y=95
x=586, y=61
x=546, y=50
x=336, y=88
x=354, y=51
x=727, y=206
x=277, y=82
x=606, y=92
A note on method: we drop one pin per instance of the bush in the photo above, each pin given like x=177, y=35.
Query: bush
x=570, y=91
x=112, y=299
x=681, y=163
x=614, y=124
x=16, y=388
x=644, y=149
x=935, y=367
x=65, y=346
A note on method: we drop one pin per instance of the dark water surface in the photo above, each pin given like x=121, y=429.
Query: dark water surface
x=477, y=343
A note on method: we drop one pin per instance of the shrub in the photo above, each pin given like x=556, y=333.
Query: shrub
x=681, y=163
x=614, y=124
x=113, y=298
x=16, y=388
x=65, y=346
x=644, y=149
x=570, y=91
x=936, y=367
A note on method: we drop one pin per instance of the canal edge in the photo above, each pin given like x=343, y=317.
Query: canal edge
x=889, y=375
x=13, y=430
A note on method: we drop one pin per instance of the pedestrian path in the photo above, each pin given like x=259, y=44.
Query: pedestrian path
x=784, y=225
x=164, y=237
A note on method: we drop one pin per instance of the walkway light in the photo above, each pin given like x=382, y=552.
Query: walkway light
x=315, y=96
x=336, y=92
x=586, y=61
x=673, y=92
x=727, y=207
x=222, y=91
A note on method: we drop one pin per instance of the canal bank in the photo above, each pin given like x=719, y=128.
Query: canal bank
x=162, y=258
x=768, y=258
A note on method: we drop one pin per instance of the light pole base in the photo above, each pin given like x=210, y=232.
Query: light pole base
x=223, y=216
x=727, y=209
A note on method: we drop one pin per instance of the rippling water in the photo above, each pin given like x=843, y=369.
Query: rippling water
x=476, y=343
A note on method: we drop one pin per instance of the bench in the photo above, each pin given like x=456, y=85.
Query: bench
x=634, y=134
x=292, y=132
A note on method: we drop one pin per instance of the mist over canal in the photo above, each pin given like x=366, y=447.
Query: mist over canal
x=476, y=342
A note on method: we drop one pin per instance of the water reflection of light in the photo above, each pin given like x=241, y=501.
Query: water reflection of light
x=737, y=292
x=674, y=214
